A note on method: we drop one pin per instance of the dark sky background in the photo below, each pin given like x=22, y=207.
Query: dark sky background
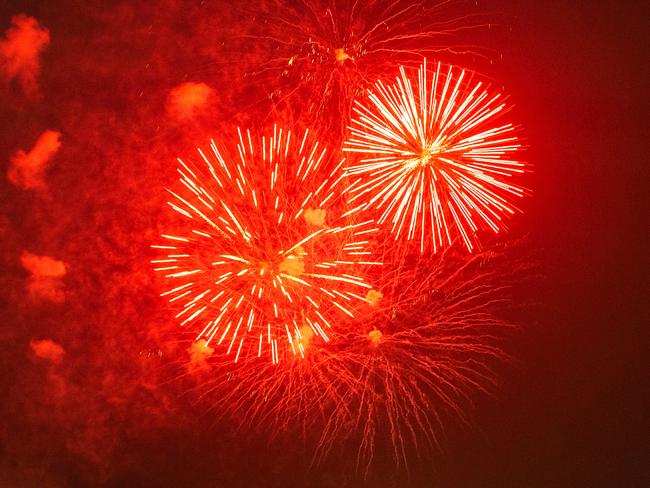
x=572, y=409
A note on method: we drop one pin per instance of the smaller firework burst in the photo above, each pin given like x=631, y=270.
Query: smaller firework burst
x=260, y=262
x=322, y=54
x=435, y=157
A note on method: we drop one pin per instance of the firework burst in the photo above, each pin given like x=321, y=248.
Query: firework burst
x=435, y=156
x=322, y=54
x=414, y=360
x=261, y=263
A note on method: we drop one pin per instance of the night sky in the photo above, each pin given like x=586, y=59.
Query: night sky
x=88, y=394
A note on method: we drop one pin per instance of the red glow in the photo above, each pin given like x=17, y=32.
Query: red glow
x=294, y=312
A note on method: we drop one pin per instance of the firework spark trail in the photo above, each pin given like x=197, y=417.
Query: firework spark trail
x=394, y=379
x=326, y=53
x=262, y=262
x=436, y=157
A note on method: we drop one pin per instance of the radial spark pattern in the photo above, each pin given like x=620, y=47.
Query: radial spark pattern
x=436, y=157
x=320, y=55
x=415, y=360
x=261, y=264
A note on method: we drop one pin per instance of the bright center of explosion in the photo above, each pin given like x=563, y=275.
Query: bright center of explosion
x=427, y=155
x=282, y=264
x=341, y=55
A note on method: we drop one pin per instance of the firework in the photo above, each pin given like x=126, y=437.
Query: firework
x=262, y=264
x=323, y=54
x=416, y=359
x=436, y=156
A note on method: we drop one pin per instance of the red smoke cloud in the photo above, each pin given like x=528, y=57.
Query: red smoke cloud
x=199, y=354
x=108, y=90
x=20, y=50
x=47, y=349
x=45, y=280
x=115, y=80
x=28, y=169
x=187, y=99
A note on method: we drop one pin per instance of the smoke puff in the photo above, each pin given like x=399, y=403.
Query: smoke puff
x=43, y=266
x=47, y=349
x=315, y=217
x=27, y=170
x=20, y=50
x=199, y=352
x=45, y=280
x=187, y=99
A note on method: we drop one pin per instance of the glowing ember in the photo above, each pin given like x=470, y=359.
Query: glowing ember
x=436, y=157
x=375, y=336
x=261, y=264
x=341, y=55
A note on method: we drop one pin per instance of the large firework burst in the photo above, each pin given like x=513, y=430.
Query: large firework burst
x=413, y=361
x=436, y=156
x=259, y=263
